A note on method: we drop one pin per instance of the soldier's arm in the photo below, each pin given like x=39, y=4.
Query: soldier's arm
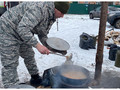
x=42, y=37
x=30, y=19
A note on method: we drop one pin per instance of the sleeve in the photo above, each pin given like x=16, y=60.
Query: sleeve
x=30, y=19
x=43, y=37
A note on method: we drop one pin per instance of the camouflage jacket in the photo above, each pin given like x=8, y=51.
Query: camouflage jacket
x=28, y=18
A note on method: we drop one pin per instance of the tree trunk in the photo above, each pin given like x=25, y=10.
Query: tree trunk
x=101, y=37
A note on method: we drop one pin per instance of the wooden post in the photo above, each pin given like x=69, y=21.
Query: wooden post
x=57, y=24
x=100, y=46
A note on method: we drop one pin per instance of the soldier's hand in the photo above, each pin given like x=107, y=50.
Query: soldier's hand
x=42, y=49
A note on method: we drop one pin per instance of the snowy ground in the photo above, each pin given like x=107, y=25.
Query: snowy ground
x=70, y=29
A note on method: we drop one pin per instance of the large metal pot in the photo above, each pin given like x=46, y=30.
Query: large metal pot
x=58, y=80
x=79, y=77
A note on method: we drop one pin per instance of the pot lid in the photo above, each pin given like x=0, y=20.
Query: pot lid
x=57, y=44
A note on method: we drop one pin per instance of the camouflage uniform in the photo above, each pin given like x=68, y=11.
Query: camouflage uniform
x=17, y=28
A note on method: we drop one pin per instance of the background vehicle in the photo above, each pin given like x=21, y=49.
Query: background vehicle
x=6, y=5
x=96, y=12
x=114, y=19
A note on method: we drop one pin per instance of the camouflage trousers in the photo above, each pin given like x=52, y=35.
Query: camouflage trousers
x=10, y=50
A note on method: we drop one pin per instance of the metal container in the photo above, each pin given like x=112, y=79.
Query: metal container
x=58, y=80
x=112, y=52
x=80, y=76
x=117, y=60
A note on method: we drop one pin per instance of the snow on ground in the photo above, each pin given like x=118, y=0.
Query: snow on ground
x=70, y=28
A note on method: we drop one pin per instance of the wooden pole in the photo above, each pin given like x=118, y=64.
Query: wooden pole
x=100, y=46
x=57, y=24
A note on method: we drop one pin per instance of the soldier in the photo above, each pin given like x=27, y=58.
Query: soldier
x=17, y=28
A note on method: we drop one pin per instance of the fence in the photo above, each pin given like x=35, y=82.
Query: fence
x=76, y=8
